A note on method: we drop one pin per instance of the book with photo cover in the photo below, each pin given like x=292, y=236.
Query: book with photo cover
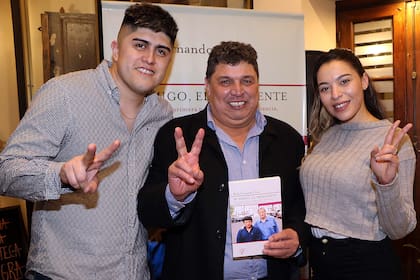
x=255, y=212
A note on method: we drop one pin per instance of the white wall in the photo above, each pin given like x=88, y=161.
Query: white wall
x=282, y=6
x=319, y=19
x=9, y=110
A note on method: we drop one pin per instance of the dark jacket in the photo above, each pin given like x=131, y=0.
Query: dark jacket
x=244, y=235
x=196, y=239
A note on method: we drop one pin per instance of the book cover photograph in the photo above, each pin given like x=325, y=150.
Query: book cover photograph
x=256, y=214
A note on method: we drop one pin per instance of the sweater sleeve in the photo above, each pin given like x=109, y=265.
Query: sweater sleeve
x=396, y=213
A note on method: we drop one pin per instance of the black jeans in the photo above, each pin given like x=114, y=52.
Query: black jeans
x=350, y=259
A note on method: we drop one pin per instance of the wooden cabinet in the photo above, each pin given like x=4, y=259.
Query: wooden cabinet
x=70, y=43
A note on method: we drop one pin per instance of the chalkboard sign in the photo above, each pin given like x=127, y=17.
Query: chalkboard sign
x=13, y=244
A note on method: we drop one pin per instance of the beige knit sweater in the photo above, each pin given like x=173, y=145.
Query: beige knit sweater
x=343, y=196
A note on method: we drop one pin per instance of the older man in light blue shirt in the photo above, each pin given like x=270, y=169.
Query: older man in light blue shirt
x=267, y=224
x=195, y=158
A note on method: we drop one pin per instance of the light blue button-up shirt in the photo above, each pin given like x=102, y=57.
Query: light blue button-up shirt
x=241, y=165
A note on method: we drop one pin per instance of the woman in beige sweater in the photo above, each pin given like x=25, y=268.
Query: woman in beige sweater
x=357, y=177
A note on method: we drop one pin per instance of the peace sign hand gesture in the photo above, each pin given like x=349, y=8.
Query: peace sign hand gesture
x=81, y=172
x=384, y=161
x=184, y=174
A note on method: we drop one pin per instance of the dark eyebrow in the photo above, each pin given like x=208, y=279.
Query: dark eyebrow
x=141, y=40
x=242, y=77
x=148, y=43
x=344, y=75
x=224, y=77
x=338, y=78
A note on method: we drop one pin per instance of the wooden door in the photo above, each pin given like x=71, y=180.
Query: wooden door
x=405, y=17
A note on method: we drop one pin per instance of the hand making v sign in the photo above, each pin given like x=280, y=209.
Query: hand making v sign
x=384, y=161
x=184, y=174
x=81, y=172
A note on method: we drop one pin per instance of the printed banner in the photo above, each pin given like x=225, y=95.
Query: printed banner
x=278, y=39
